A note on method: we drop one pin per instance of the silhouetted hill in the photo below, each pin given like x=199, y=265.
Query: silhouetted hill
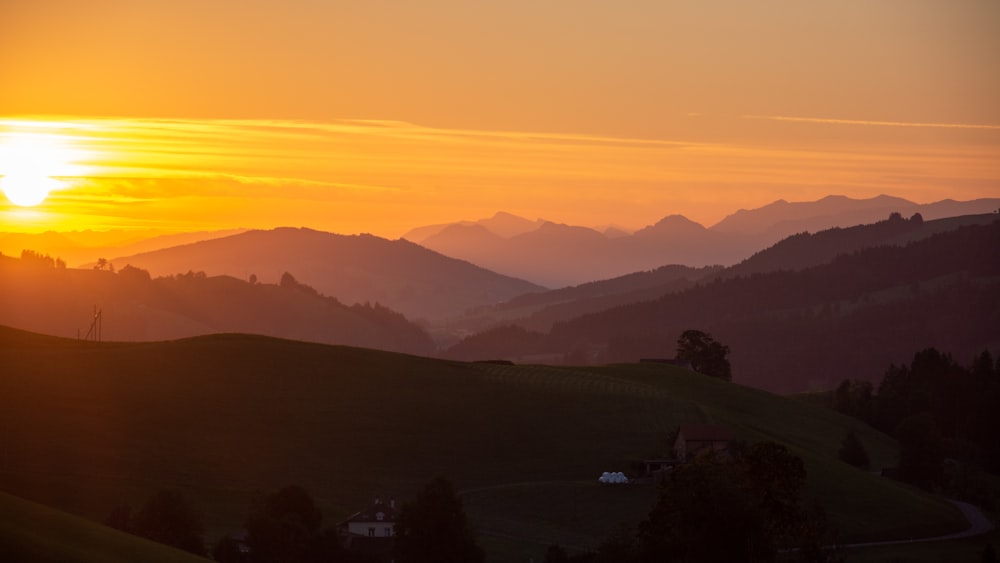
x=135, y=307
x=809, y=329
x=399, y=274
x=804, y=250
x=562, y=255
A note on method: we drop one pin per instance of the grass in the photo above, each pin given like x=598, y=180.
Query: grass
x=223, y=416
x=36, y=533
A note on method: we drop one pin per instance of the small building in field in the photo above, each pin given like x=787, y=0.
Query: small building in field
x=695, y=439
x=376, y=521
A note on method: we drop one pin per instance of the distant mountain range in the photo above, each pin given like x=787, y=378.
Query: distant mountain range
x=793, y=325
x=420, y=283
x=61, y=301
x=556, y=255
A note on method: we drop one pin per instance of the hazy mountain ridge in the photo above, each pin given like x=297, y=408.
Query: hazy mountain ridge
x=804, y=250
x=557, y=255
x=401, y=275
x=807, y=329
x=137, y=308
x=84, y=248
x=502, y=224
x=538, y=311
x=807, y=215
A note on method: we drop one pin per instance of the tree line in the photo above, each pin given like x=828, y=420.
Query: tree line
x=286, y=526
x=944, y=416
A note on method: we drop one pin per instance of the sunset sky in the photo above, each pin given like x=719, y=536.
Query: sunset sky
x=380, y=116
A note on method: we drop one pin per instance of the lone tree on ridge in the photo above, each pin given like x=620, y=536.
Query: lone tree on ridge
x=706, y=355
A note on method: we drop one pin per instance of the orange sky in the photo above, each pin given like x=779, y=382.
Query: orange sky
x=379, y=116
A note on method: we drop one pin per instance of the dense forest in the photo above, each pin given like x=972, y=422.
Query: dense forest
x=944, y=415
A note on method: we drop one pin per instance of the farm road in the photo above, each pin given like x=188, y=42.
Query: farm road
x=978, y=524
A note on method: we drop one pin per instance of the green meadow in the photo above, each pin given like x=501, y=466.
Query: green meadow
x=88, y=426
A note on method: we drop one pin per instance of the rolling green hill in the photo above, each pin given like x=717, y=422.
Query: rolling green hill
x=88, y=426
x=30, y=532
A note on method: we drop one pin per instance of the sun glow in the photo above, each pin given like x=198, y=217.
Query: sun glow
x=33, y=164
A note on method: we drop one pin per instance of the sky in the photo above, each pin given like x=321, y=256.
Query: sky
x=381, y=116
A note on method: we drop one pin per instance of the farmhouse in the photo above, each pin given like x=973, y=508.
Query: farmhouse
x=377, y=521
x=693, y=439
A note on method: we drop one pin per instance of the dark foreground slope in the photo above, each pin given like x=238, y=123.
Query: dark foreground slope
x=87, y=426
x=33, y=533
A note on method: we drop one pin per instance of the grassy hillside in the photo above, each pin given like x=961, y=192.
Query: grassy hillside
x=30, y=532
x=223, y=416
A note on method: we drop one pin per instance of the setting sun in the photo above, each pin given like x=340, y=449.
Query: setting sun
x=32, y=163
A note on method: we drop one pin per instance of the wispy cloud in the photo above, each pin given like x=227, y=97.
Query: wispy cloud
x=387, y=176
x=832, y=121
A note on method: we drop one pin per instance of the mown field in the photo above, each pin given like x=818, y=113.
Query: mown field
x=87, y=426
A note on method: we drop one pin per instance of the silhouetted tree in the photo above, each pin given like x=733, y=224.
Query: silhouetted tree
x=814, y=540
x=134, y=275
x=282, y=526
x=253, y=279
x=854, y=397
x=718, y=508
x=620, y=546
x=706, y=355
x=288, y=281
x=43, y=260
x=433, y=528
x=556, y=554
x=852, y=451
x=167, y=517
x=921, y=451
